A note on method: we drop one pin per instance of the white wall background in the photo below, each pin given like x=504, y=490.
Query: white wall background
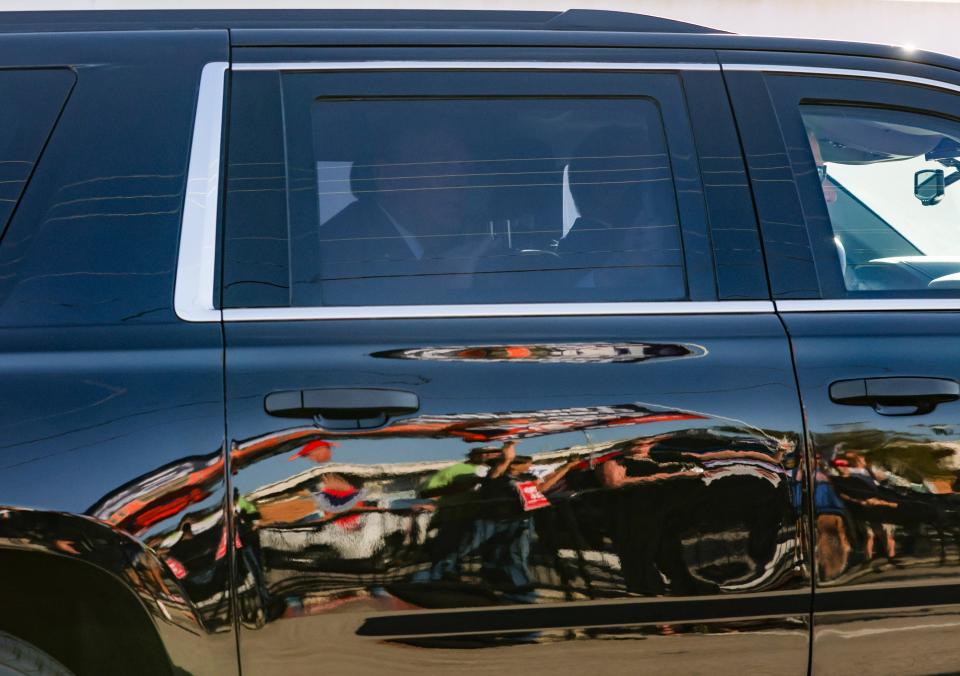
x=925, y=24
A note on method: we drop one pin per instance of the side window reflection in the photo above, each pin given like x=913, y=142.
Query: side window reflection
x=888, y=179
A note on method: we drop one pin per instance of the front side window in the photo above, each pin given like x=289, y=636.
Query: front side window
x=891, y=183
x=425, y=201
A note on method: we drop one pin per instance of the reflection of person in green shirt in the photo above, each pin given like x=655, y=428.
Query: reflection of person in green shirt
x=244, y=506
x=459, y=504
x=461, y=477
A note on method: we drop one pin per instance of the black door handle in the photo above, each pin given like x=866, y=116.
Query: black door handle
x=896, y=396
x=356, y=408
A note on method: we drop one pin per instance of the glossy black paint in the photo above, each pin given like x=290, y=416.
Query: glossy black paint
x=717, y=514
x=113, y=475
x=885, y=510
x=34, y=101
x=570, y=20
x=737, y=253
x=888, y=511
x=111, y=407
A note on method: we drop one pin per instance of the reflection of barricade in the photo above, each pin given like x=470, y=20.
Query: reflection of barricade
x=571, y=558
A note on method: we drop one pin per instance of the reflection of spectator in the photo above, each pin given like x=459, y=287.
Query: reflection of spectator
x=637, y=513
x=462, y=528
x=333, y=494
x=249, y=557
x=833, y=546
x=509, y=499
x=501, y=531
x=462, y=476
x=861, y=493
x=454, y=489
x=196, y=558
x=336, y=495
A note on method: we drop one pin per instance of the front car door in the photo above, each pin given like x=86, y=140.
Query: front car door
x=489, y=385
x=853, y=162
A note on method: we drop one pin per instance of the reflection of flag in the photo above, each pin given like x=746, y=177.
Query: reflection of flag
x=530, y=496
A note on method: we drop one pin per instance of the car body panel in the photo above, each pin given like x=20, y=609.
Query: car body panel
x=112, y=407
x=117, y=455
x=885, y=510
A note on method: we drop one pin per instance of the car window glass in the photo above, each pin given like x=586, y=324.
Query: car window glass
x=888, y=179
x=423, y=201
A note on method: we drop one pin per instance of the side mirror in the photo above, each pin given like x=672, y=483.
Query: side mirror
x=928, y=186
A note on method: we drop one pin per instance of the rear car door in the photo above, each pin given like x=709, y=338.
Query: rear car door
x=853, y=163
x=502, y=371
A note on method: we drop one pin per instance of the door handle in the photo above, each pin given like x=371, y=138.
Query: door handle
x=895, y=396
x=356, y=408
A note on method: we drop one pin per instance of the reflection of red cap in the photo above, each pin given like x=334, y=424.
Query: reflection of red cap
x=313, y=446
x=517, y=352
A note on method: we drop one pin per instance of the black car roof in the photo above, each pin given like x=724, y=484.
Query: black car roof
x=575, y=27
x=576, y=19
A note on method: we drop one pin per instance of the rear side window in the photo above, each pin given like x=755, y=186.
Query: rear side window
x=449, y=200
x=30, y=101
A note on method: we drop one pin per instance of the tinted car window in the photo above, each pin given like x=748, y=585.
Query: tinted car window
x=887, y=178
x=448, y=201
x=94, y=238
x=31, y=101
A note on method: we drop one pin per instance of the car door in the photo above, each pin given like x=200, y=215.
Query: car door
x=853, y=162
x=502, y=371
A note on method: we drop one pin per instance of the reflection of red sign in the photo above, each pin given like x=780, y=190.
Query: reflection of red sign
x=222, y=547
x=176, y=568
x=530, y=496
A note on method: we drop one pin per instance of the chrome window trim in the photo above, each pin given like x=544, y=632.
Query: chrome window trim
x=196, y=260
x=279, y=314
x=841, y=72
x=194, y=287
x=868, y=305
x=472, y=65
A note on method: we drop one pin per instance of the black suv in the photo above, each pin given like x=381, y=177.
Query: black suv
x=474, y=342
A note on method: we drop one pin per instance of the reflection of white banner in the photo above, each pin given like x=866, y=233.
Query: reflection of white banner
x=358, y=537
x=715, y=470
